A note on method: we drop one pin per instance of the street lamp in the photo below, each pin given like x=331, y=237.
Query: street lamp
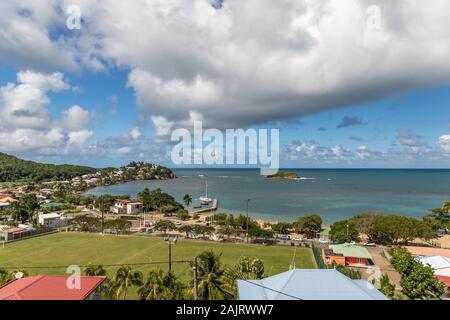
x=170, y=241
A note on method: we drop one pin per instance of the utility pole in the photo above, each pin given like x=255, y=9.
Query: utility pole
x=170, y=256
x=195, y=279
x=246, y=223
x=101, y=210
x=347, y=235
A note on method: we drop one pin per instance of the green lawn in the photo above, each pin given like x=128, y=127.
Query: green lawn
x=64, y=249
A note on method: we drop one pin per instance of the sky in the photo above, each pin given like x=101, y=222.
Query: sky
x=354, y=84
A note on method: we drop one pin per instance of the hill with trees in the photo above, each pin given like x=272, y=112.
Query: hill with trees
x=15, y=169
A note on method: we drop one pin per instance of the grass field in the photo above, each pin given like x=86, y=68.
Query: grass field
x=64, y=249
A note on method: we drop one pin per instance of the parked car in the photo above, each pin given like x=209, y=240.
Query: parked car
x=297, y=239
x=324, y=241
x=284, y=237
x=369, y=244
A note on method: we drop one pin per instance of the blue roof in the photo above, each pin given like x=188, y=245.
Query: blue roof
x=319, y=284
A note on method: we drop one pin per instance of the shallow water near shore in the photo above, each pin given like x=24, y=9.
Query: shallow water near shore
x=335, y=194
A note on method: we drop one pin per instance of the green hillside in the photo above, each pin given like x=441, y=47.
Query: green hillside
x=15, y=169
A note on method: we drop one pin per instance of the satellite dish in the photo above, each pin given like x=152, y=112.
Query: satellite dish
x=19, y=275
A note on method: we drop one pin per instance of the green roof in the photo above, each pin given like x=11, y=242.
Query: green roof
x=325, y=232
x=349, y=250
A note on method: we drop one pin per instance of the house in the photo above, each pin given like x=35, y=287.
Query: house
x=125, y=206
x=52, y=288
x=134, y=207
x=50, y=220
x=10, y=233
x=304, y=284
x=120, y=206
x=324, y=236
x=348, y=255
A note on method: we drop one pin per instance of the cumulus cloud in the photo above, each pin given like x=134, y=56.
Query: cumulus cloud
x=75, y=118
x=444, y=143
x=27, y=125
x=222, y=60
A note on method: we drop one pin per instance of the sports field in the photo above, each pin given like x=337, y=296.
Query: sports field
x=51, y=254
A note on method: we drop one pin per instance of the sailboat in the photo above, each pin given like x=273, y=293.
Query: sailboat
x=205, y=199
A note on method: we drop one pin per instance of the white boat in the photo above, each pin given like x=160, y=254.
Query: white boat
x=205, y=199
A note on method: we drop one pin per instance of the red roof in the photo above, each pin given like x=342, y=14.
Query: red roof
x=49, y=288
x=445, y=280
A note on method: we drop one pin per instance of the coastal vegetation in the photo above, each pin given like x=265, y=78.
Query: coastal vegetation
x=417, y=281
x=309, y=225
x=13, y=169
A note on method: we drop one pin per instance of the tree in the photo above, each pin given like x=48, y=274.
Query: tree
x=348, y=272
x=344, y=231
x=160, y=286
x=187, y=199
x=309, y=225
x=364, y=222
x=421, y=284
x=417, y=280
x=124, y=278
x=164, y=226
x=282, y=227
x=182, y=214
x=386, y=287
x=92, y=271
x=121, y=225
x=210, y=275
x=439, y=218
x=186, y=229
x=245, y=269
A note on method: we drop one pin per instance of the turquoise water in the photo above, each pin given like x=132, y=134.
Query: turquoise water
x=335, y=194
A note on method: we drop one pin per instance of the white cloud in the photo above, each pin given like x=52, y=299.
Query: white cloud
x=444, y=143
x=135, y=133
x=246, y=63
x=75, y=118
x=27, y=125
x=79, y=138
x=162, y=125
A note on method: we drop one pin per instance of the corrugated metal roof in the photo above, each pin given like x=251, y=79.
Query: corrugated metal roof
x=349, y=250
x=48, y=288
x=308, y=285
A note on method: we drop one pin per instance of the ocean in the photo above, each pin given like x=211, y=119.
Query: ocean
x=334, y=194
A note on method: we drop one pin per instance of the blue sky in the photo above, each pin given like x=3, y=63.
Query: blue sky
x=113, y=91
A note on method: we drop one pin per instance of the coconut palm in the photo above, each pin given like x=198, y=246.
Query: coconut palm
x=210, y=277
x=154, y=287
x=93, y=271
x=124, y=278
x=187, y=199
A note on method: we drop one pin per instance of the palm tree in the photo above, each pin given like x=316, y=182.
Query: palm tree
x=124, y=278
x=154, y=288
x=93, y=271
x=210, y=277
x=187, y=199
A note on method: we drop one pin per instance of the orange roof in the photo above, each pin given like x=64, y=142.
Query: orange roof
x=445, y=280
x=428, y=251
x=49, y=288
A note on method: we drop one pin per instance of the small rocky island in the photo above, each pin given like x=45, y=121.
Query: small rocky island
x=283, y=176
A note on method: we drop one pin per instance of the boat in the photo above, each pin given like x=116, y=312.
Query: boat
x=205, y=200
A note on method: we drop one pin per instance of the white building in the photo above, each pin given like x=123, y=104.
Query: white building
x=134, y=207
x=50, y=220
x=127, y=207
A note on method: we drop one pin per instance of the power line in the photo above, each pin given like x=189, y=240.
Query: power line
x=103, y=265
x=260, y=285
